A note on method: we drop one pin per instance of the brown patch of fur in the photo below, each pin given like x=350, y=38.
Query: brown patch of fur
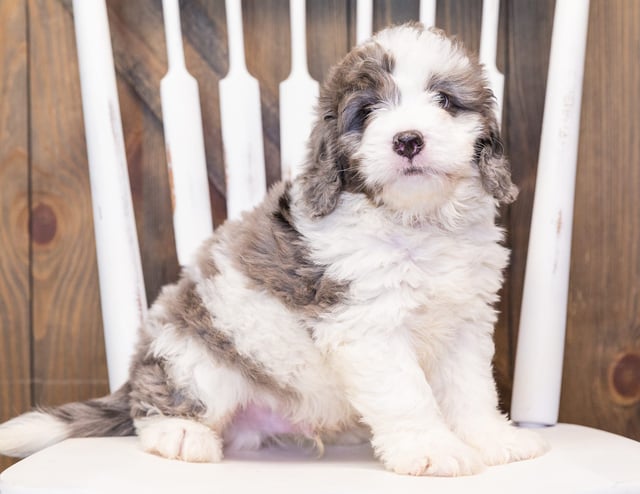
x=494, y=168
x=152, y=392
x=275, y=257
x=152, y=389
x=188, y=314
x=204, y=261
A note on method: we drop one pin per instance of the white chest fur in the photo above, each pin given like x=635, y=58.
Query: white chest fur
x=424, y=280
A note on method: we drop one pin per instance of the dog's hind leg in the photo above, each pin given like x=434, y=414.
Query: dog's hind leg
x=172, y=422
x=180, y=406
x=187, y=378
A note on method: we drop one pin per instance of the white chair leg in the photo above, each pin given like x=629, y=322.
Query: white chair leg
x=122, y=292
x=536, y=386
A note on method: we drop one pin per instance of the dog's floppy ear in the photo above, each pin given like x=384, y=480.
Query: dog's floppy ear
x=493, y=165
x=321, y=181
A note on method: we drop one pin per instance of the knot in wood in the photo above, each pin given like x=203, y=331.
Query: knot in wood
x=44, y=224
x=625, y=378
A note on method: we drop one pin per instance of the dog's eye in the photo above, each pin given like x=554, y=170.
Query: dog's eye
x=365, y=111
x=355, y=117
x=361, y=117
x=443, y=100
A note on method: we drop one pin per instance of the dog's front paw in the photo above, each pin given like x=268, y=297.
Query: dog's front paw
x=179, y=439
x=437, y=452
x=503, y=443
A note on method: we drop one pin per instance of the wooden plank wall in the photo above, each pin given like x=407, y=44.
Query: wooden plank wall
x=51, y=348
x=15, y=314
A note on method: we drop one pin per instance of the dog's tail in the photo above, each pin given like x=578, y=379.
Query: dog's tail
x=33, y=431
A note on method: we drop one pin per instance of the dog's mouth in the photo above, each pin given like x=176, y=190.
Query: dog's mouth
x=425, y=171
x=414, y=170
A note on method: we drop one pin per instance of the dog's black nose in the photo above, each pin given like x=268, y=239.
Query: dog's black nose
x=408, y=143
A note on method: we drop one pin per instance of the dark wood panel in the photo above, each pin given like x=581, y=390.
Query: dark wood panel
x=528, y=34
x=601, y=385
x=267, y=38
x=389, y=12
x=144, y=143
x=15, y=373
x=69, y=358
x=461, y=18
x=330, y=34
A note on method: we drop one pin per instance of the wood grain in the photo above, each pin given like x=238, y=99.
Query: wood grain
x=15, y=319
x=387, y=12
x=68, y=359
x=330, y=34
x=603, y=331
x=461, y=18
x=144, y=144
x=268, y=53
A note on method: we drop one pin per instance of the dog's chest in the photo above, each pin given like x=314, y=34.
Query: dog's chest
x=423, y=266
x=418, y=278
x=421, y=270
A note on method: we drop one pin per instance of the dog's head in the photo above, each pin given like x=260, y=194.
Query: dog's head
x=407, y=119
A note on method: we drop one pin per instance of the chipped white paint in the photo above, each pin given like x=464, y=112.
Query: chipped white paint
x=428, y=12
x=241, y=124
x=184, y=144
x=364, y=20
x=538, y=371
x=122, y=293
x=298, y=96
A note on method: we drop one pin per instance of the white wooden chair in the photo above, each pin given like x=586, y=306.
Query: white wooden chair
x=581, y=459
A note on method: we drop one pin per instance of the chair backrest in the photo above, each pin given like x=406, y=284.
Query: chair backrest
x=122, y=285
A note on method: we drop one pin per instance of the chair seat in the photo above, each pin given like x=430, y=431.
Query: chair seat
x=581, y=460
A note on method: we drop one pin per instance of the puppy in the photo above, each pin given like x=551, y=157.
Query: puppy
x=355, y=303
